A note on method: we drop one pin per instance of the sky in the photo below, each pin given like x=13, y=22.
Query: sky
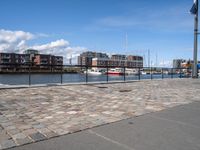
x=69, y=27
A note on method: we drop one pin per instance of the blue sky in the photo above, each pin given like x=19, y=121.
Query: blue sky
x=68, y=27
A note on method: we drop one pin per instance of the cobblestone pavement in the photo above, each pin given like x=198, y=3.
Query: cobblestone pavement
x=32, y=114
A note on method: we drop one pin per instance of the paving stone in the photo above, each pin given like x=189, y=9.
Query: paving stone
x=7, y=144
x=10, y=127
x=23, y=141
x=39, y=126
x=38, y=136
x=4, y=136
x=19, y=136
x=13, y=131
x=60, y=131
x=29, y=131
x=25, y=127
x=50, y=134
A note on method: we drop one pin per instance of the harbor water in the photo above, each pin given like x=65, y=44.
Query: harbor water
x=25, y=79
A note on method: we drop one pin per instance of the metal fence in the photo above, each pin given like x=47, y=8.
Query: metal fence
x=63, y=74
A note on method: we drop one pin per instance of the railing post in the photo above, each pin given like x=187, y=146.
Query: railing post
x=61, y=77
x=162, y=74
x=107, y=74
x=124, y=74
x=180, y=73
x=86, y=75
x=29, y=75
x=139, y=74
x=172, y=73
x=151, y=74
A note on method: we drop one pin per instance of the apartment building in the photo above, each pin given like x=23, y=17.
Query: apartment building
x=118, y=57
x=13, y=61
x=119, y=61
x=85, y=58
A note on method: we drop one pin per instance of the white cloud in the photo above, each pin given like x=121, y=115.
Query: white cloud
x=73, y=53
x=61, y=48
x=12, y=40
x=52, y=45
x=16, y=41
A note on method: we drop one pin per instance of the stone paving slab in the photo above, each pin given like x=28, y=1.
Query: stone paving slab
x=33, y=114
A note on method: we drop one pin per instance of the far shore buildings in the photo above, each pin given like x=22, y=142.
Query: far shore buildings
x=102, y=59
x=30, y=57
x=85, y=59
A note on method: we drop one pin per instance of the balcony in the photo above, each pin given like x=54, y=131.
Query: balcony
x=5, y=57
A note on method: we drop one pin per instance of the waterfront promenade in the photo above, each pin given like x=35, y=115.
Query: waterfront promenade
x=29, y=115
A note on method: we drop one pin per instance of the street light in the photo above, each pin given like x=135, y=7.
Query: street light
x=194, y=11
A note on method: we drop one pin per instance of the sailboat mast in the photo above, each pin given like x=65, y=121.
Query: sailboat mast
x=148, y=58
x=126, y=42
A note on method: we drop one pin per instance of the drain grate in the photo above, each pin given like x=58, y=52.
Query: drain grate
x=124, y=90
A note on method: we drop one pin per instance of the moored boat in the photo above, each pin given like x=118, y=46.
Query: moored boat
x=116, y=71
x=94, y=71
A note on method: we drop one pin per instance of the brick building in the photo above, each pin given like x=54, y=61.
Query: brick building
x=13, y=61
x=117, y=63
x=86, y=57
x=118, y=57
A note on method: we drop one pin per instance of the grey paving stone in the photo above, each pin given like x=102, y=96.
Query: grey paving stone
x=19, y=136
x=7, y=144
x=13, y=131
x=39, y=126
x=23, y=141
x=50, y=134
x=37, y=136
x=4, y=136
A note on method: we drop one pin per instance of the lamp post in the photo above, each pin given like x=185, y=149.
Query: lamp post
x=194, y=11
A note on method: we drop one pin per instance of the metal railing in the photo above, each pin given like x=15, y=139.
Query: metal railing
x=48, y=74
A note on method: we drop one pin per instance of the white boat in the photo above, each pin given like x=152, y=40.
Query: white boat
x=131, y=71
x=116, y=71
x=143, y=73
x=134, y=72
x=94, y=71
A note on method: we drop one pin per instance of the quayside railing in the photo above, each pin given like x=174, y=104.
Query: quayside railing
x=62, y=74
